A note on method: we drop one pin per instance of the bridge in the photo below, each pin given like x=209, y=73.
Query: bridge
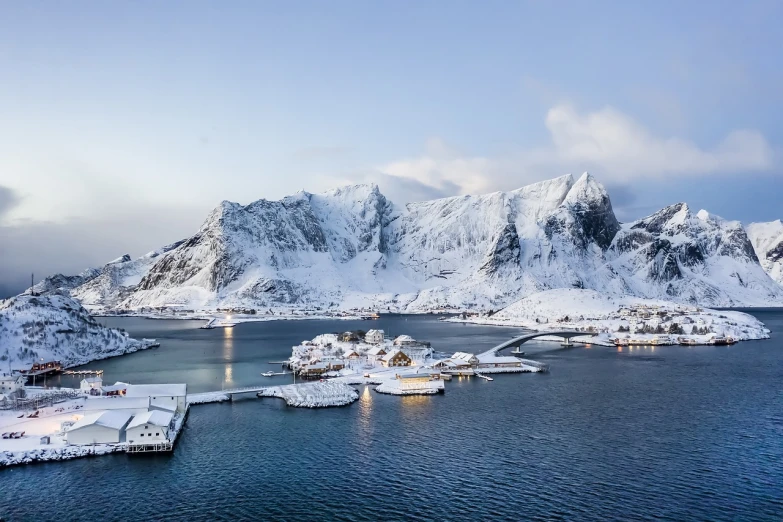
x=517, y=341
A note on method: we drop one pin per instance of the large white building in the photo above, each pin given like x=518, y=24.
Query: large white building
x=132, y=405
x=91, y=383
x=149, y=428
x=374, y=336
x=11, y=384
x=169, y=397
x=104, y=427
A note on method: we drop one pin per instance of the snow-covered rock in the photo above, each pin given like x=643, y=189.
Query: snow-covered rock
x=56, y=327
x=313, y=395
x=610, y=316
x=695, y=258
x=351, y=247
x=767, y=239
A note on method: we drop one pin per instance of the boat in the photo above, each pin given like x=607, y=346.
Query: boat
x=722, y=341
x=687, y=341
x=215, y=323
x=485, y=377
x=268, y=374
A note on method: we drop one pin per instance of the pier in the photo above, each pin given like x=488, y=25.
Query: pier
x=83, y=372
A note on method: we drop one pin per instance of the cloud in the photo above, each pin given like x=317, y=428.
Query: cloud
x=70, y=246
x=607, y=142
x=615, y=143
x=8, y=200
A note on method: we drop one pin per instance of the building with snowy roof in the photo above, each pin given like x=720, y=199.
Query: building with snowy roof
x=376, y=354
x=106, y=427
x=469, y=358
x=170, y=397
x=11, y=385
x=149, y=427
x=132, y=405
x=91, y=383
x=396, y=358
x=374, y=336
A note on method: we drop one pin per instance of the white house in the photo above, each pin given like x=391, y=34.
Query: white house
x=91, y=383
x=170, y=397
x=11, y=384
x=374, y=337
x=104, y=427
x=149, y=427
x=469, y=358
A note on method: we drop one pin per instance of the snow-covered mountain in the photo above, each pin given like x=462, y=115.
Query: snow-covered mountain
x=55, y=327
x=697, y=258
x=351, y=247
x=767, y=239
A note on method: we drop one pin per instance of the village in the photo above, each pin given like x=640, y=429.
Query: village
x=398, y=366
x=623, y=321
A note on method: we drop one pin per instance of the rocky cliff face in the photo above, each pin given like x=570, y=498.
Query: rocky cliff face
x=767, y=241
x=699, y=258
x=351, y=247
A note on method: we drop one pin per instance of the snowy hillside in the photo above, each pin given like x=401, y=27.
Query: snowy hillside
x=55, y=327
x=351, y=248
x=567, y=309
x=767, y=239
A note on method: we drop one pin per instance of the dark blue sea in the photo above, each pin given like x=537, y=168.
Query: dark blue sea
x=671, y=433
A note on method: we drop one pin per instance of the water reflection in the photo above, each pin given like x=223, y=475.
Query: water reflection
x=228, y=356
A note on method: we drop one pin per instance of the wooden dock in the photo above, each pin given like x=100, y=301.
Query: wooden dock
x=83, y=372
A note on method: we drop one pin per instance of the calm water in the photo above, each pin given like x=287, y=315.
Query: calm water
x=673, y=433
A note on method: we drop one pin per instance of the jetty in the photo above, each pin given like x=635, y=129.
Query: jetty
x=83, y=372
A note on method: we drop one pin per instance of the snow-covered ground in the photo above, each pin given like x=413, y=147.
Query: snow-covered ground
x=56, y=327
x=29, y=448
x=612, y=317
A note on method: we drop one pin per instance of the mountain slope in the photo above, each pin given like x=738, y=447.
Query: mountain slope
x=351, y=247
x=767, y=240
x=55, y=327
x=696, y=258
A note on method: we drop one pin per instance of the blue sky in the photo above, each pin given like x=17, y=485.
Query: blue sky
x=125, y=122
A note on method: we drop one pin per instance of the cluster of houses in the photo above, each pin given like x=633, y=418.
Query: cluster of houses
x=403, y=364
x=334, y=352
x=141, y=415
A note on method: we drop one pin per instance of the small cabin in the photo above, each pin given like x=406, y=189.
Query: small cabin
x=348, y=337
x=376, y=354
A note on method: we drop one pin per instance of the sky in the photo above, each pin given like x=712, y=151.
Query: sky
x=123, y=123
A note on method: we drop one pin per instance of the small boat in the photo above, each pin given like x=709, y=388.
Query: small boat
x=214, y=323
x=268, y=374
x=485, y=377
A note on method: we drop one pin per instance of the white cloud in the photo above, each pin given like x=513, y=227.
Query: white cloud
x=607, y=142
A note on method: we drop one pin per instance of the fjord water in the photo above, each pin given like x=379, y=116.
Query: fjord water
x=672, y=433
